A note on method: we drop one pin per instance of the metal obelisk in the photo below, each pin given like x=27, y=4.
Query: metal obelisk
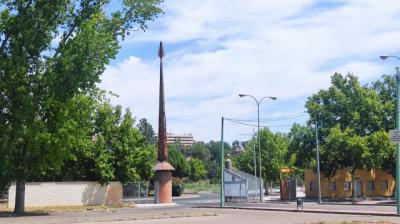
x=163, y=181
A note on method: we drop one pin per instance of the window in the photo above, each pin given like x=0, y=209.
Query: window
x=371, y=186
x=332, y=186
x=346, y=186
x=384, y=185
x=312, y=186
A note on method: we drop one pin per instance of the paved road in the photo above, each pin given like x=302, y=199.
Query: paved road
x=185, y=200
x=182, y=215
x=184, y=212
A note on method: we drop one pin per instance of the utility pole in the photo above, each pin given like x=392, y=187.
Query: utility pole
x=398, y=145
x=318, y=170
x=222, y=196
x=397, y=185
x=254, y=155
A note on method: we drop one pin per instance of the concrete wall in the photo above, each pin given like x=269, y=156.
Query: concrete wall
x=375, y=175
x=39, y=194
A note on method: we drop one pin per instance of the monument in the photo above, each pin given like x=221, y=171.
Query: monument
x=163, y=170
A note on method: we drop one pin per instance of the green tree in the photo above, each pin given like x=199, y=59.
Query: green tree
x=301, y=150
x=358, y=114
x=147, y=131
x=197, y=170
x=215, y=150
x=200, y=151
x=178, y=161
x=274, y=147
x=104, y=145
x=49, y=52
x=386, y=90
x=348, y=104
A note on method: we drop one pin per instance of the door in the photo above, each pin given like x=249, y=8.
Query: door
x=358, y=188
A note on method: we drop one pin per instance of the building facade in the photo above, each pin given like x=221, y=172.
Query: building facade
x=369, y=183
x=186, y=139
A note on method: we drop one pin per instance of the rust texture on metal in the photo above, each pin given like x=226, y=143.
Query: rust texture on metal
x=162, y=129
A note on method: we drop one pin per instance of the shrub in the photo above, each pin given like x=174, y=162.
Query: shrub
x=197, y=170
x=177, y=186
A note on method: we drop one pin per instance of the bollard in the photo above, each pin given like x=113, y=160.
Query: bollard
x=299, y=203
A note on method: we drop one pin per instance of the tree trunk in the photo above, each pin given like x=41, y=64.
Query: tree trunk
x=270, y=189
x=19, y=197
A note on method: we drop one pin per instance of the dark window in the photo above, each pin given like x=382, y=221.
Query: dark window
x=371, y=186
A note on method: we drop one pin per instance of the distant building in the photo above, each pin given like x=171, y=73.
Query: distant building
x=185, y=139
x=238, y=147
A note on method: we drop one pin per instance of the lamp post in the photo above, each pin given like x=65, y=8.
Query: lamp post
x=397, y=127
x=318, y=166
x=258, y=102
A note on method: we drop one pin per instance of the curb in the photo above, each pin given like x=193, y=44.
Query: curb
x=305, y=211
x=155, y=205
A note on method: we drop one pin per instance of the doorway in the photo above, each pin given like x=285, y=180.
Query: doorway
x=358, y=188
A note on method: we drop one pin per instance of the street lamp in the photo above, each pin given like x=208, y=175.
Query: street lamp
x=397, y=127
x=258, y=102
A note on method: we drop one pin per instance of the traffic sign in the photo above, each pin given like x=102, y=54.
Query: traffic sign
x=394, y=136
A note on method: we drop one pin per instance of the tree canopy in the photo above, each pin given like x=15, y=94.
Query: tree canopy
x=353, y=121
x=51, y=51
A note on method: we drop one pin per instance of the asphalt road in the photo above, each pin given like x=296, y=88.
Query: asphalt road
x=181, y=215
x=185, y=212
x=186, y=200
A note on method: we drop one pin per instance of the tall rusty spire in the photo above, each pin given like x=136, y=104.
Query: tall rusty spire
x=162, y=129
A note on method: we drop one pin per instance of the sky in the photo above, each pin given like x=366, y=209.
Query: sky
x=216, y=49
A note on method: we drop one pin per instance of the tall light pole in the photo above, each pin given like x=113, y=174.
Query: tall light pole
x=258, y=102
x=318, y=170
x=397, y=127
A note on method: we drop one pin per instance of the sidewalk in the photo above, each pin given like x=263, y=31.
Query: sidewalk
x=150, y=200
x=367, y=208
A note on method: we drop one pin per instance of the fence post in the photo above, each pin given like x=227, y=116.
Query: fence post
x=139, y=192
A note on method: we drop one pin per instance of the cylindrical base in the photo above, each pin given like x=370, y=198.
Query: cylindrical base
x=164, y=178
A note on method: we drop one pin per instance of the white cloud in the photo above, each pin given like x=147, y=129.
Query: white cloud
x=287, y=49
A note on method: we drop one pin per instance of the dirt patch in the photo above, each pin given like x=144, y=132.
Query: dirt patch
x=32, y=211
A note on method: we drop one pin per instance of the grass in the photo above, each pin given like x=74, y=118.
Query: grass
x=201, y=186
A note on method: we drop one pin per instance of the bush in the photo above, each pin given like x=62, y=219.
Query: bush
x=177, y=186
x=197, y=170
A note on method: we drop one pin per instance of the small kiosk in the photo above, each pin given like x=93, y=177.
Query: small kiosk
x=287, y=184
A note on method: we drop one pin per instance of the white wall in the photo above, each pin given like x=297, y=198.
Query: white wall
x=39, y=194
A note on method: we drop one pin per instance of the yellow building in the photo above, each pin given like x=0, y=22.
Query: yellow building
x=369, y=183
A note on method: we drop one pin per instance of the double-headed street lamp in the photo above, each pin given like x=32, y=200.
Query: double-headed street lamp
x=258, y=102
x=397, y=127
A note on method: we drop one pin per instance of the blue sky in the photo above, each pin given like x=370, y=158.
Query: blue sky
x=218, y=49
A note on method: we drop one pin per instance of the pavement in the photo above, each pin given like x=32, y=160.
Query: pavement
x=204, y=208
x=313, y=207
x=185, y=215
x=273, y=203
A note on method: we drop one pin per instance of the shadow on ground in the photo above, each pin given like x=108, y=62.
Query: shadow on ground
x=12, y=214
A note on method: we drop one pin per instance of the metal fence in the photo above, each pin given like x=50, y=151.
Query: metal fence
x=241, y=186
x=137, y=189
